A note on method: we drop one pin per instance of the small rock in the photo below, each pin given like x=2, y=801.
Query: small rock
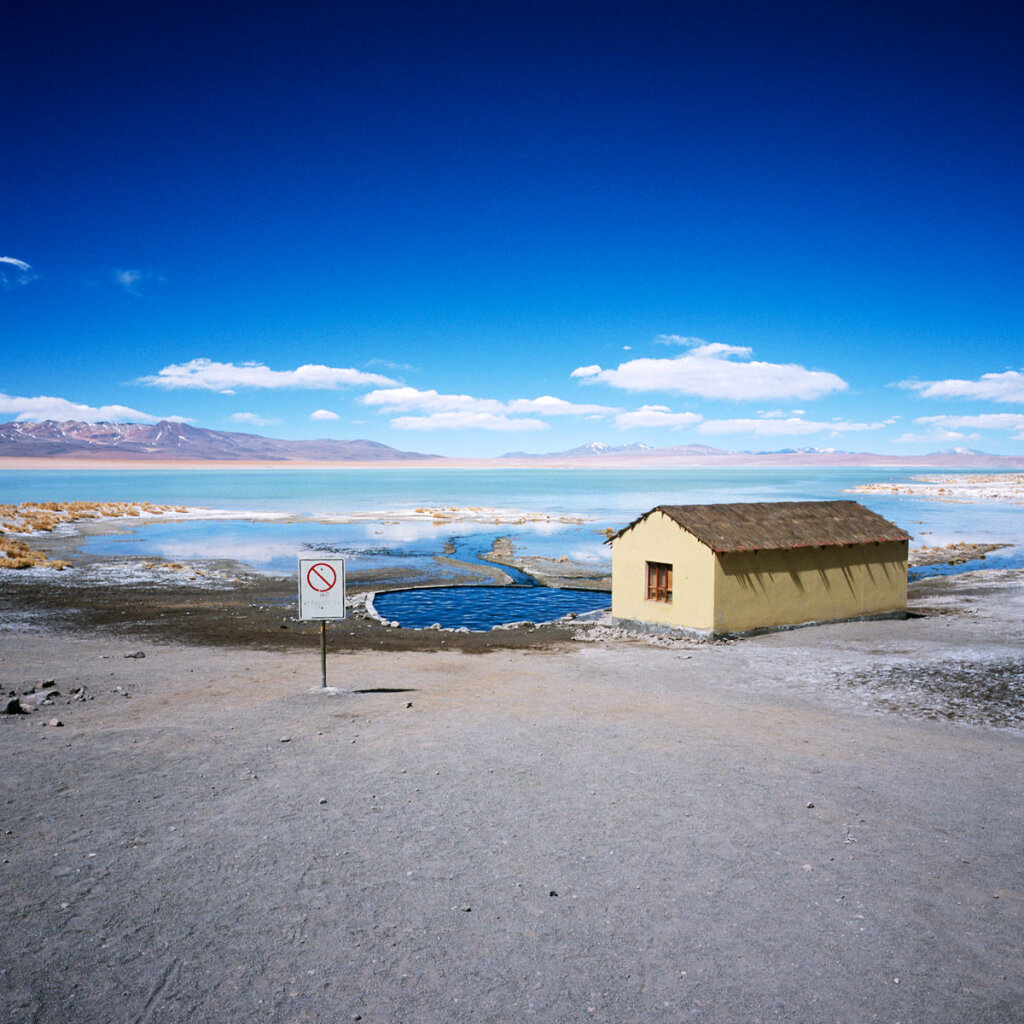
x=35, y=700
x=35, y=685
x=286, y=739
x=56, y=723
x=136, y=654
x=322, y=800
x=408, y=703
x=552, y=893
x=13, y=707
x=809, y=806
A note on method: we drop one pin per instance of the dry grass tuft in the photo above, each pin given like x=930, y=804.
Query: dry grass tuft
x=16, y=554
x=44, y=516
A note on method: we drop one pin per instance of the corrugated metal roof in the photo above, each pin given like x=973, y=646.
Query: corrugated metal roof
x=776, y=525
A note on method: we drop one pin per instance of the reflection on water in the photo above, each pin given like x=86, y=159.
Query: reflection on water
x=275, y=547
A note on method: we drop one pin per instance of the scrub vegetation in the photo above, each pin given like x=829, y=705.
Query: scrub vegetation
x=45, y=516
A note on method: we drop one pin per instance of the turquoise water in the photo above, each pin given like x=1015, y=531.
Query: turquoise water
x=388, y=533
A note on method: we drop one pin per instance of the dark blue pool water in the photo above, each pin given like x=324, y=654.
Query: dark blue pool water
x=481, y=608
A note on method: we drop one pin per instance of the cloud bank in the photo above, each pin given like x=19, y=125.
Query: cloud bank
x=716, y=371
x=465, y=412
x=207, y=375
x=991, y=387
x=948, y=426
x=45, y=407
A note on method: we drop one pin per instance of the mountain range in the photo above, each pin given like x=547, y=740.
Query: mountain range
x=172, y=440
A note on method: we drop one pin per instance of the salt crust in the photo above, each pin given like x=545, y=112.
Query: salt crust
x=973, y=487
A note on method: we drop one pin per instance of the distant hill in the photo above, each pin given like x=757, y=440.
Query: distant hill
x=639, y=454
x=600, y=449
x=172, y=440
x=806, y=451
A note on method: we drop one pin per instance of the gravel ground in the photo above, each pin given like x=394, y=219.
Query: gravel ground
x=815, y=825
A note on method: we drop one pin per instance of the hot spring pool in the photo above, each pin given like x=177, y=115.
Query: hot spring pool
x=481, y=608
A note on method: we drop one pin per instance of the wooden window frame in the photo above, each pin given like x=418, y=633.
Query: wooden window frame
x=659, y=582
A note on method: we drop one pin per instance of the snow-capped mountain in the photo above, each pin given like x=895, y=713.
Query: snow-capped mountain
x=172, y=440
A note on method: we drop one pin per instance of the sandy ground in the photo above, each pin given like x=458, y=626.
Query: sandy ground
x=798, y=827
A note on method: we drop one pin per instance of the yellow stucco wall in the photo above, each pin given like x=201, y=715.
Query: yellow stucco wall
x=743, y=591
x=659, y=539
x=756, y=590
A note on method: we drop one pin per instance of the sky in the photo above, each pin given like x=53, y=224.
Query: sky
x=468, y=229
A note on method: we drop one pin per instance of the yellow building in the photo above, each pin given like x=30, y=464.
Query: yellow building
x=714, y=570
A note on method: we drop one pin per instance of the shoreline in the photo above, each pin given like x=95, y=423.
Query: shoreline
x=1004, y=463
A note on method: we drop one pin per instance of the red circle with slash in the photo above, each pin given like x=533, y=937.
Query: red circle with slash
x=321, y=577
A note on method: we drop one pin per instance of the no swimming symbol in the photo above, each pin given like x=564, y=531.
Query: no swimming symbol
x=321, y=588
x=321, y=577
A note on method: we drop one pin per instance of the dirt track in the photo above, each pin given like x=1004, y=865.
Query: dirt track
x=607, y=831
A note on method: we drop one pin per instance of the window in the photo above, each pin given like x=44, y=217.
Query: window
x=659, y=582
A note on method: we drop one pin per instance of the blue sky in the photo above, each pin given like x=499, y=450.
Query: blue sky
x=470, y=229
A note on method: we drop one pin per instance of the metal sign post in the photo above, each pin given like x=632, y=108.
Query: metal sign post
x=322, y=596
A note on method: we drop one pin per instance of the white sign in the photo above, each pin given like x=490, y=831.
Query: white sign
x=321, y=588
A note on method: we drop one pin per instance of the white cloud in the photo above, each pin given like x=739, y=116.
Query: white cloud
x=1001, y=421
x=207, y=375
x=790, y=427
x=45, y=407
x=993, y=387
x=324, y=414
x=14, y=273
x=464, y=411
x=250, y=417
x=716, y=371
x=546, y=405
x=134, y=281
x=409, y=399
x=466, y=421
x=656, y=416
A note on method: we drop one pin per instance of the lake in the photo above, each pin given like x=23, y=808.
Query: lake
x=267, y=518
